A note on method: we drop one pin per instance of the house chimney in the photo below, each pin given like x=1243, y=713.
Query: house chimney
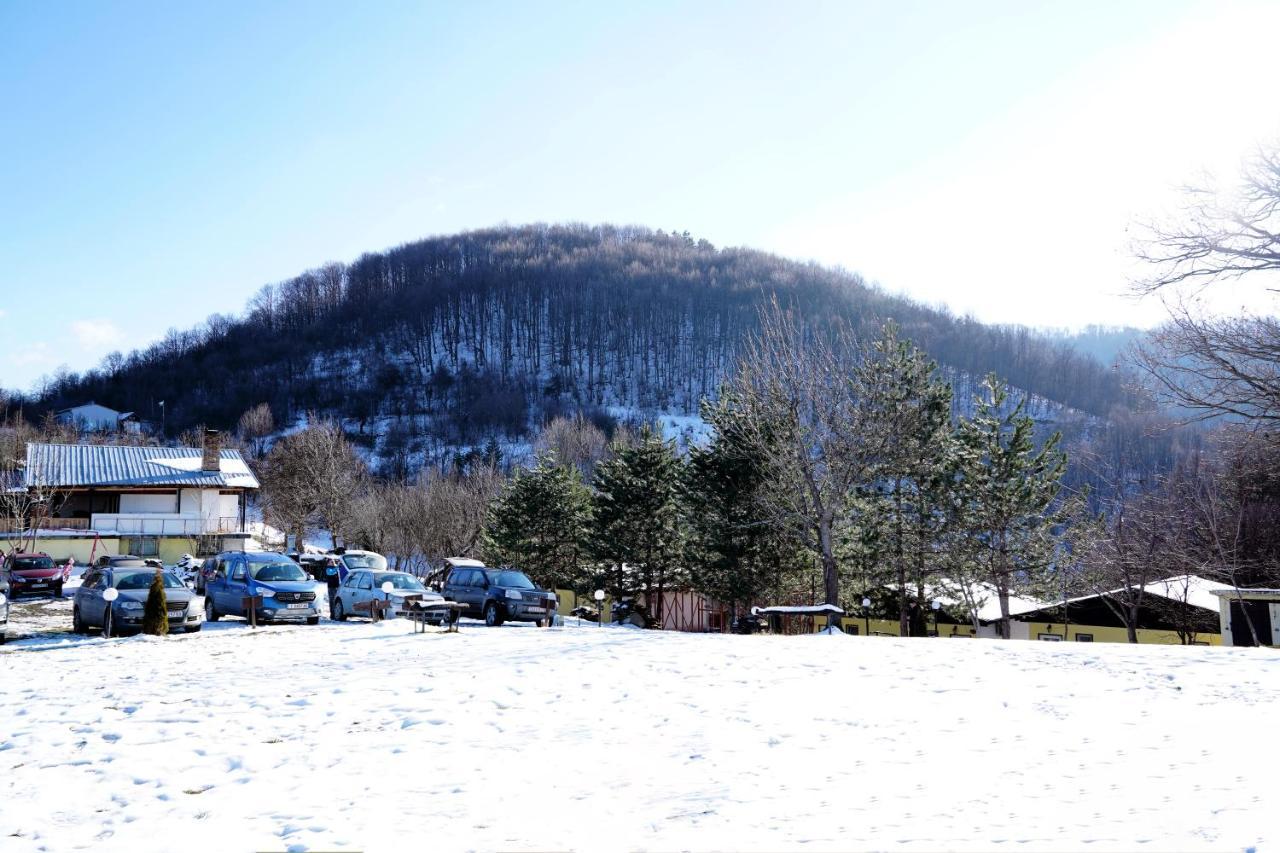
x=210, y=463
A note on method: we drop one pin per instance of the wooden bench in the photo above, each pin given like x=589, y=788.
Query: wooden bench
x=448, y=612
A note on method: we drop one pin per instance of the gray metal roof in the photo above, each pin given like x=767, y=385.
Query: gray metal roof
x=83, y=465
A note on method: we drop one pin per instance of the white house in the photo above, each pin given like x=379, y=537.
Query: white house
x=92, y=417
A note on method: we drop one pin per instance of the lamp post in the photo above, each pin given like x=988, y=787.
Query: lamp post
x=599, y=597
x=866, y=614
x=936, y=605
x=109, y=595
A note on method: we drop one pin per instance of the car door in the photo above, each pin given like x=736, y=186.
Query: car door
x=89, y=598
x=347, y=593
x=364, y=586
x=458, y=587
x=236, y=587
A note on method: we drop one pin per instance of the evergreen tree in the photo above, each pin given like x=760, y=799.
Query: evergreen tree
x=906, y=393
x=540, y=523
x=637, y=531
x=1007, y=492
x=155, y=616
x=734, y=555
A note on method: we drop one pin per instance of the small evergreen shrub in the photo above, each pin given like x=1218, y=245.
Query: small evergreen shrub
x=155, y=618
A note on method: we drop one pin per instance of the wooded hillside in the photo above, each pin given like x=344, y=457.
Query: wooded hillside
x=451, y=340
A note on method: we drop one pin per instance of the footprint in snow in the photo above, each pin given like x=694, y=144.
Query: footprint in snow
x=110, y=737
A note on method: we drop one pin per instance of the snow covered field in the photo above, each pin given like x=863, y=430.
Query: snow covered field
x=362, y=737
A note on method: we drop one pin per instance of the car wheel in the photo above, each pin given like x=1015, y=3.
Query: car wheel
x=77, y=624
x=492, y=617
x=313, y=620
x=210, y=614
x=339, y=612
x=106, y=623
x=194, y=629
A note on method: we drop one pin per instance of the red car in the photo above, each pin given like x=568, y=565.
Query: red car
x=32, y=573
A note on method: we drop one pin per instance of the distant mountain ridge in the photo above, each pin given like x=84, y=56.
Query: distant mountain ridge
x=451, y=340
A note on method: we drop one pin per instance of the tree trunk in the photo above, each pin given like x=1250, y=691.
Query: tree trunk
x=830, y=573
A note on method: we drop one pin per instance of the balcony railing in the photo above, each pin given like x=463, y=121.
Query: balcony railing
x=157, y=524
x=9, y=525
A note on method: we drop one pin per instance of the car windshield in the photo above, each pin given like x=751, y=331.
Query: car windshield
x=399, y=580
x=516, y=580
x=373, y=562
x=28, y=563
x=142, y=580
x=276, y=569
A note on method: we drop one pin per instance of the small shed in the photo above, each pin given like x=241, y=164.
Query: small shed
x=1237, y=608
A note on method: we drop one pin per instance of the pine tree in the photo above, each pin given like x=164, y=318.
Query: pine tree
x=540, y=523
x=1008, y=489
x=734, y=555
x=906, y=394
x=155, y=616
x=638, y=532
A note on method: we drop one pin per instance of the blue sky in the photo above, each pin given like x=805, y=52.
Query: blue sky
x=160, y=162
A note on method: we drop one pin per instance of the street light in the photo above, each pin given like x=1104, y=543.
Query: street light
x=936, y=605
x=599, y=597
x=866, y=614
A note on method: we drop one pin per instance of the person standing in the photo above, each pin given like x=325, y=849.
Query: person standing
x=332, y=579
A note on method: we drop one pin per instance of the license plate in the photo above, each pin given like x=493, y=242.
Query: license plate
x=537, y=609
x=39, y=585
x=177, y=614
x=299, y=606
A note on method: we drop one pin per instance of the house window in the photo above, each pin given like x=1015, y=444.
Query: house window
x=851, y=630
x=1052, y=638
x=145, y=546
x=1084, y=638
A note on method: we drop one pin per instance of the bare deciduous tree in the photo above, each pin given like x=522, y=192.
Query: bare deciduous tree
x=1220, y=235
x=802, y=401
x=254, y=426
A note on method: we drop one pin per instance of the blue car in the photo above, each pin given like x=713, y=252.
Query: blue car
x=114, y=597
x=288, y=594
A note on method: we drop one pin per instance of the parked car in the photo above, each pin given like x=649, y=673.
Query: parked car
x=365, y=586
x=91, y=608
x=288, y=594
x=500, y=595
x=29, y=572
x=348, y=560
x=124, y=561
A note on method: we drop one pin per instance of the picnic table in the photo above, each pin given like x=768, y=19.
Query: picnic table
x=445, y=612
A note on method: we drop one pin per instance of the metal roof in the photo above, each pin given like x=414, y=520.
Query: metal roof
x=84, y=465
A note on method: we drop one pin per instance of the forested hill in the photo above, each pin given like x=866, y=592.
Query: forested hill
x=455, y=339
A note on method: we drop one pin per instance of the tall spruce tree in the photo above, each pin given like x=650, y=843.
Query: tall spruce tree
x=541, y=523
x=638, y=533
x=734, y=555
x=1008, y=489
x=905, y=392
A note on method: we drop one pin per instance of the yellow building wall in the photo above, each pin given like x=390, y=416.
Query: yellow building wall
x=569, y=600
x=1101, y=633
x=78, y=548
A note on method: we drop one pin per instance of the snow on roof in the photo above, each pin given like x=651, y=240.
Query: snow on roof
x=1268, y=594
x=82, y=465
x=1192, y=589
x=464, y=562
x=810, y=610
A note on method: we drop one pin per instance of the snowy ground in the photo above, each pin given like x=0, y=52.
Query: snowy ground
x=362, y=737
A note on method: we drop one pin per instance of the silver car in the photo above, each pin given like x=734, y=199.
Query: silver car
x=362, y=587
x=113, y=599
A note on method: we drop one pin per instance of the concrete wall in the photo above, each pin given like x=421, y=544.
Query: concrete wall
x=130, y=503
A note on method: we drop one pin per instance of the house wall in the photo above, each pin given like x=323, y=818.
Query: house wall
x=1031, y=630
x=1224, y=618
x=130, y=502
x=77, y=547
